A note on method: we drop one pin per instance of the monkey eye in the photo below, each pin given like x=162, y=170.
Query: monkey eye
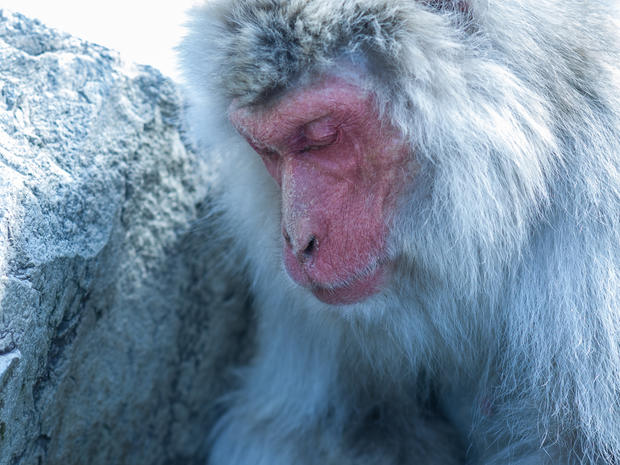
x=310, y=148
x=311, y=145
x=319, y=133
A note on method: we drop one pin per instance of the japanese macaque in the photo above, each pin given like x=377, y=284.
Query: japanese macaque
x=426, y=195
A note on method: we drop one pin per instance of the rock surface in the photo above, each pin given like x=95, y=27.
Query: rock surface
x=117, y=321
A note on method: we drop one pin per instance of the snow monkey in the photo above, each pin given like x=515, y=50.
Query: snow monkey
x=426, y=195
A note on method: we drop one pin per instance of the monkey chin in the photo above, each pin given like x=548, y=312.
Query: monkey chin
x=356, y=291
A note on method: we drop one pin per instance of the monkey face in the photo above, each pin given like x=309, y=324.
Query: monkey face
x=340, y=170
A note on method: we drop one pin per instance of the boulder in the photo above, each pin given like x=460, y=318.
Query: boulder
x=118, y=318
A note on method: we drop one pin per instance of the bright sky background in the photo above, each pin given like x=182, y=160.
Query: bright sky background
x=143, y=31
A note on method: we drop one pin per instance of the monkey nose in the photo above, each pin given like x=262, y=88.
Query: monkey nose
x=303, y=249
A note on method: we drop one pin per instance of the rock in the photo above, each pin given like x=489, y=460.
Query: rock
x=117, y=318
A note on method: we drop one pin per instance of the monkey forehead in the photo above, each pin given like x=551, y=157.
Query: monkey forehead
x=264, y=46
x=329, y=95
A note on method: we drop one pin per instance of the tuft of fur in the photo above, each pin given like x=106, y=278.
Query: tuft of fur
x=503, y=315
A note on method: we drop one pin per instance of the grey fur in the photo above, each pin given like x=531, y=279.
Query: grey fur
x=508, y=245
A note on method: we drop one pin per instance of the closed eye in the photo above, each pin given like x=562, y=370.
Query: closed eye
x=319, y=133
x=312, y=148
x=317, y=144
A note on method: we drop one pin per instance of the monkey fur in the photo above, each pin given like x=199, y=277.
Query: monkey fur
x=497, y=338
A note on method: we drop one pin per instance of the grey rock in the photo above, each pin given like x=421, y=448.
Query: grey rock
x=117, y=318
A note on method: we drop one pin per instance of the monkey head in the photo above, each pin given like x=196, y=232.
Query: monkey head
x=340, y=169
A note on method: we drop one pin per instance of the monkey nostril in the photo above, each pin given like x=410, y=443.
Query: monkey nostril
x=303, y=254
x=309, y=250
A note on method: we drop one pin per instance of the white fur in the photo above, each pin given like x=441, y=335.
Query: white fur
x=505, y=299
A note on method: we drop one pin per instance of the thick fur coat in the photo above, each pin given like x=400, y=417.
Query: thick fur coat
x=500, y=330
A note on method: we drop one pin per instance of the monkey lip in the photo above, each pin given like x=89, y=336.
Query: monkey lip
x=353, y=292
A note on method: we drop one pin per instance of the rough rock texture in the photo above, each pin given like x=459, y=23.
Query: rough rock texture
x=117, y=322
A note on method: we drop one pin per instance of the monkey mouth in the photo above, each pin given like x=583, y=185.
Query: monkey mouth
x=357, y=290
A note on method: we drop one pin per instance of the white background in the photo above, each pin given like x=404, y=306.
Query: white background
x=143, y=31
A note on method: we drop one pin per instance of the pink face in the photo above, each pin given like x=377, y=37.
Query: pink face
x=340, y=169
